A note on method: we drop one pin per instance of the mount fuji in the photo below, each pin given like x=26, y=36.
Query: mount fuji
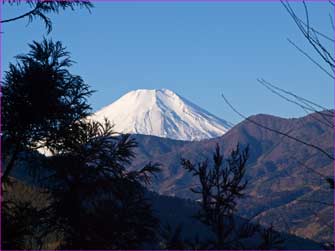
x=161, y=113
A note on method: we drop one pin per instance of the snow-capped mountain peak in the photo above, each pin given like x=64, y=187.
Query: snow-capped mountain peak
x=161, y=113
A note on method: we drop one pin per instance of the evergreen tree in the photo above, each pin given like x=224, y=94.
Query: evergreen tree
x=23, y=217
x=270, y=239
x=40, y=99
x=96, y=202
x=220, y=187
x=171, y=239
x=16, y=225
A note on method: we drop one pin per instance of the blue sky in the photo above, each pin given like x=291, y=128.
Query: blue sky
x=198, y=50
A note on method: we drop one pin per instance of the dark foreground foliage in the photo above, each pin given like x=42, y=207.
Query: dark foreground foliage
x=40, y=99
x=84, y=196
x=91, y=200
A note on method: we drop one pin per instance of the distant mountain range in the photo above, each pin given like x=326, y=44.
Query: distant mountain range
x=287, y=186
x=162, y=113
x=286, y=179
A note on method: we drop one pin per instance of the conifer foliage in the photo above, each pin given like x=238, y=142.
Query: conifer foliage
x=220, y=187
x=40, y=99
x=40, y=9
x=97, y=203
x=91, y=200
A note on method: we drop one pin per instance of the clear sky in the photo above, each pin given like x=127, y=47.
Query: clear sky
x=196, y=49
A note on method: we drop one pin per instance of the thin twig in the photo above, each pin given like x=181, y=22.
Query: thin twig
x=311, y=59
x=278, y=132
x=306, y=107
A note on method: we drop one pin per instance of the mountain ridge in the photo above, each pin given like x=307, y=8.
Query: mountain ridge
x=278, y=180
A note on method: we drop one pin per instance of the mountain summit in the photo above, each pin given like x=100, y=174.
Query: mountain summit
x=161, y=113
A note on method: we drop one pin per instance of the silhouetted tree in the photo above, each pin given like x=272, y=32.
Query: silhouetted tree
x=21, y=224
x=40, y=99
x=220, y=187
x=41, y=9
x=197, y=244
x=171, y=239
x=270, y=239
x=96, y=202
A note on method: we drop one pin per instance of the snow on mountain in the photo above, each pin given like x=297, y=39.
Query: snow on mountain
x=161, y=113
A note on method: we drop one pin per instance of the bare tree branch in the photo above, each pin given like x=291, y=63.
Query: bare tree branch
x=312, y=36
x=304, y=100
x=327, y=118
x=278, y=132
x=311, y=59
